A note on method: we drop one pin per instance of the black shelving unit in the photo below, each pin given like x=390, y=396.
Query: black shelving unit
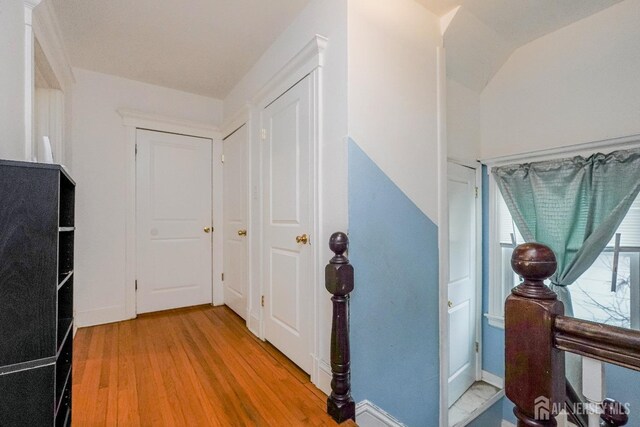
x=36, y=294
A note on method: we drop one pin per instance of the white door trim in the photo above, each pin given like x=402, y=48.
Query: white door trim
x=133, y=120
x=308, y=61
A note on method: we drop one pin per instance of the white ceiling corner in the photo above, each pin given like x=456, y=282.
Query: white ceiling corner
x=483, y=34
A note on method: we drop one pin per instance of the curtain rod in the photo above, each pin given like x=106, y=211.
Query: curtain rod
x=631, y=141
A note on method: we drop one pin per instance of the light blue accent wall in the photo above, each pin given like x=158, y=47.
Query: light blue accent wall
x=622, y=384
x=394, y=307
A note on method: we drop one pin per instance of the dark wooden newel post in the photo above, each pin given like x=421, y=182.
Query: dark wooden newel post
x=535, y=377
x=339, y=282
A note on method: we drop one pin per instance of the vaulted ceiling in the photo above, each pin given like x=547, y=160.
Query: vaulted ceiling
x=484, y=33
x=206, y=46
x=199, y=46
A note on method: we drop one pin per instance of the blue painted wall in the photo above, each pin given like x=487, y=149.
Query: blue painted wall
x=394, y=307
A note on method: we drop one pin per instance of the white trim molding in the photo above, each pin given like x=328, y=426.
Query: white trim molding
x=624, y=142
x=493, y=379
x=29, y=78
x=443, y=237
x=141, y=120
x=134, y=120
x=369, y=415
x=47, y=31
x=310, y=57
x=506, y=423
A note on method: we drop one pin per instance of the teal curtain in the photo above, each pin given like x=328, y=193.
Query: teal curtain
x=572, y=205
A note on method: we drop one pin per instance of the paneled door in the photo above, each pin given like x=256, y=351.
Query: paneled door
x=287, y=189
x=235, y=221
x=462, y=280
x=173, y=221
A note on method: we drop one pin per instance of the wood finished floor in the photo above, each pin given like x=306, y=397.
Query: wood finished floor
x=198, y=366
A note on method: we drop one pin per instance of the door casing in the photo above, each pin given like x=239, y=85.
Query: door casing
x=132, y=121
x=444, y=281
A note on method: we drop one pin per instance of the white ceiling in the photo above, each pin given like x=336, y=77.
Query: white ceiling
x=199, y=46
x=483, y=34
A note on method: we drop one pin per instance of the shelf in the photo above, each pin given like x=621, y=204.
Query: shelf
x=66, y=229
x=64, y=278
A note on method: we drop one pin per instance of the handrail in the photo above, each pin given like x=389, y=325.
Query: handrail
x=598, y=341
x=537, y=335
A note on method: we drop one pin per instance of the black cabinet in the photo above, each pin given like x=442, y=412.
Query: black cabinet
x=36, y=294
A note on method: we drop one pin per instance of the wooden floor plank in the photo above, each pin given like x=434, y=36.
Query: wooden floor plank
x=197, y=366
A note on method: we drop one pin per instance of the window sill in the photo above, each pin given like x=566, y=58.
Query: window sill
x=495, y=321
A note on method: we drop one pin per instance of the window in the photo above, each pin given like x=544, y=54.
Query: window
x=593, y=296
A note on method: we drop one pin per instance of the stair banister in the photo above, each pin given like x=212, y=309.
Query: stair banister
x=534, y=371
x=339, y=282
x=536, y=336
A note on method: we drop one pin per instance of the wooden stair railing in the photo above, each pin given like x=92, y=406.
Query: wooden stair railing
x=339, y=282
x=536, y=336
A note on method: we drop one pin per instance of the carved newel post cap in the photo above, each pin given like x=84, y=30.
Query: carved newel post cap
x=339, y=273
x=339, y=243
x=534, y=262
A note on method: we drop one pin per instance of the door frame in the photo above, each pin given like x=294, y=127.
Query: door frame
x=444, y=287
x=307, y=62
x=239, y=121
x=133, y=120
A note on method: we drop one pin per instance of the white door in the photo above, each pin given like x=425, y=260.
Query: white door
x=287, y=183
x=235, y=221
x=173, y=210
x=462, y=280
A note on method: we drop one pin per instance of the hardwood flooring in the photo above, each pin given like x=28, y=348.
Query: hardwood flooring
x=198, y=366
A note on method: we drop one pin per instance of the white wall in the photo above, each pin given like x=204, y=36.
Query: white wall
x=327, y=18
x=12, y=79
x=575, y=85
x=393, y=93
x=463, y=123
x=99, y=139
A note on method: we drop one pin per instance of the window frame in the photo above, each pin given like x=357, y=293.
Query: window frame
x=497, y=292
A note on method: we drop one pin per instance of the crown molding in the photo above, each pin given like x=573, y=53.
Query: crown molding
x=310, y=57
x=141, y=120
x=47, y=31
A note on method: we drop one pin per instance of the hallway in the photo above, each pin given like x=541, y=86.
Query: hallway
x=197, y=366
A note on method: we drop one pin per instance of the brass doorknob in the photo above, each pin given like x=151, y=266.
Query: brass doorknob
x=304, y=239
x=207, y=229
x=242, y=232
x=450, y=304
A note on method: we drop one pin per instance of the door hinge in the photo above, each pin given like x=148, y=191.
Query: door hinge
x=222, y=158
x=136, y=149
x=222, y=277
x=136, y=284
x=477, y=347
x=262, y=301
x=263, y=134
x=476, y=192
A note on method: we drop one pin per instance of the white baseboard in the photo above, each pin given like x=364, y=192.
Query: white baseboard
x=254, y=324
x=506, y=423
x=493, y=379
x=116, y=313
x=324, y=377
x=369, y=415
